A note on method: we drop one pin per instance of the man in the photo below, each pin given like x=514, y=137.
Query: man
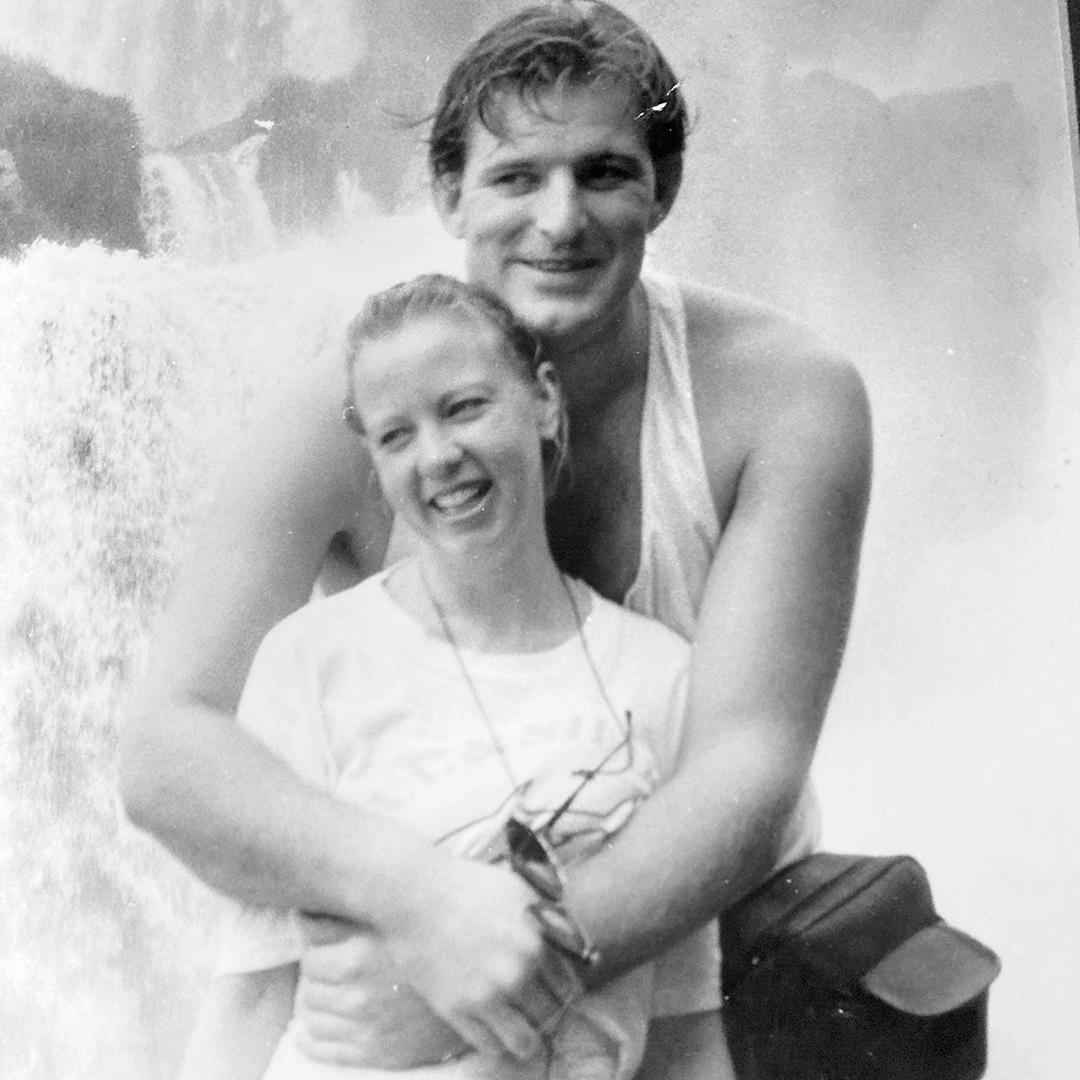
x=721, y=474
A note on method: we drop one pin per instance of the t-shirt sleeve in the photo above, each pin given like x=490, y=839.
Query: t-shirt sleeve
x=279, y=706
x=257, y=939
x=686, y=979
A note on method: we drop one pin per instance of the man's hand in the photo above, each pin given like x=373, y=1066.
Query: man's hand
x=464, y=968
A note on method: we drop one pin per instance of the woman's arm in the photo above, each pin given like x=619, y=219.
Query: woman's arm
x=768, y=644
x=241, y=1022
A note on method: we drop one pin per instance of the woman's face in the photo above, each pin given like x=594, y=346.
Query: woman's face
x=454, y=427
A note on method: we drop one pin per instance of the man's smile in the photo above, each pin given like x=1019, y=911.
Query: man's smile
x=561, y=264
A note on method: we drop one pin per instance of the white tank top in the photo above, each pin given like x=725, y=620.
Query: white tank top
x=679, y=527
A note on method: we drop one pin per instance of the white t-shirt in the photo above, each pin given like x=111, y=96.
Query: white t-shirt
x=363, y=703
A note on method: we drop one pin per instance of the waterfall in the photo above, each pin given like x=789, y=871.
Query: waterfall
x=187, y=64
x=207, y=207
x=122, y=375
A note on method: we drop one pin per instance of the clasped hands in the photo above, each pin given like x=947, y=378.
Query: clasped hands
x=466, y=969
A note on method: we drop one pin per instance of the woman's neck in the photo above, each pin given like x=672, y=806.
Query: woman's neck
x=497, y=606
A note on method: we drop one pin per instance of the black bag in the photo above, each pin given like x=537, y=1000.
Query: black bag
x=839, y=968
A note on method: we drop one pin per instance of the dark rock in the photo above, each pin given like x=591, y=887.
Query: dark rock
x=69, y=162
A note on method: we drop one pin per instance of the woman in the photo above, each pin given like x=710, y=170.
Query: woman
x=471, y=693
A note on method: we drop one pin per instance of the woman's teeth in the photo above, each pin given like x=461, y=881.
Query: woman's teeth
x=460, y=496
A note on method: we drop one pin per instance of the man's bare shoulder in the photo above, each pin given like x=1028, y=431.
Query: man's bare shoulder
x=298, y=438
x=744, y=342
x=765, y=384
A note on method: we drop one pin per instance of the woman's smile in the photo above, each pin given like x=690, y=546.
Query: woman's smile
x=461, y=499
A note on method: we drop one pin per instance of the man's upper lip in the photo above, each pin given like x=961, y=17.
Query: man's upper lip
x=560, y=262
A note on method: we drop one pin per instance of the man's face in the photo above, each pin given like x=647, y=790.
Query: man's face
x=555, y=208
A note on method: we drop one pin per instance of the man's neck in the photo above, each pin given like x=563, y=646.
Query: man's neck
x=596, y=370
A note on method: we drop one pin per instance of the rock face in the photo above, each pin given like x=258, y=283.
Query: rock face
x=69, y=162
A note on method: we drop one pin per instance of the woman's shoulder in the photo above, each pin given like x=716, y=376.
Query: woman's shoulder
x=639, y=635
x=356, y=619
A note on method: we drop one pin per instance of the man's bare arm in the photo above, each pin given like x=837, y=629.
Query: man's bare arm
x=767, y=648
x=204, y=787
x=236, y=815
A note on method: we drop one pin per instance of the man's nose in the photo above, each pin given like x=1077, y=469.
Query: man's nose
x=559, y=213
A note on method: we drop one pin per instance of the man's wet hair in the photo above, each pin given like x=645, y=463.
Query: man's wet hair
x=545, y=47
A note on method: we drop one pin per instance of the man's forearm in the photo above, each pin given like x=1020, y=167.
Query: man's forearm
x=245, y=824
x=703, y=840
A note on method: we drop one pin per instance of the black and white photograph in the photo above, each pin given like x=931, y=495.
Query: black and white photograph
x=539, y=541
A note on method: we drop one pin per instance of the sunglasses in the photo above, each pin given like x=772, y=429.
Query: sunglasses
x=533, y=859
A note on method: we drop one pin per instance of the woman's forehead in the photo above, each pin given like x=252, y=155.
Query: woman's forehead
x=435, y=348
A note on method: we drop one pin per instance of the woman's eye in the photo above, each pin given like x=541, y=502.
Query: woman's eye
x=393, y=438
x=466, y=407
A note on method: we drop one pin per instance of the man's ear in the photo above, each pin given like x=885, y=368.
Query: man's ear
x=446, y=192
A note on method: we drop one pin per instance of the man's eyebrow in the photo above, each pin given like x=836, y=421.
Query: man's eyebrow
x=630, y=162
x=511, y=163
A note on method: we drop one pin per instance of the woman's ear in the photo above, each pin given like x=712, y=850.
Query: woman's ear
x=446, y=191
x=549, y=398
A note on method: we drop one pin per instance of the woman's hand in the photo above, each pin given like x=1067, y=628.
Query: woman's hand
x=463, y=968
x=354, y=1009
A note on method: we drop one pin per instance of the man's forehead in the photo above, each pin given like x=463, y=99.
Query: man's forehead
x=522, y=114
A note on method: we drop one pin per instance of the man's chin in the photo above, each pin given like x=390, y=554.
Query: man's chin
x=555, y=321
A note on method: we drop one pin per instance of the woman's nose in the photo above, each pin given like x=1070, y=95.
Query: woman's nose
x=437, y=449
x=558, y=212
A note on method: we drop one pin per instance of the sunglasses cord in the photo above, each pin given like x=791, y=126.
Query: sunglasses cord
x=620, y=723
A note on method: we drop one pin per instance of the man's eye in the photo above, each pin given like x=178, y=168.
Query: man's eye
x=606, y=177
x=515, y=183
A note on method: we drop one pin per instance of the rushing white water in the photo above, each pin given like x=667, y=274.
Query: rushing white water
x=933, y=238
x=122, y=377
x=208, y=207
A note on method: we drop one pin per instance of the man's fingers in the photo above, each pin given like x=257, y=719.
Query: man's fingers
x=504, y=1030
x=561, y=977
x=324, y=929
x=542, y=1007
